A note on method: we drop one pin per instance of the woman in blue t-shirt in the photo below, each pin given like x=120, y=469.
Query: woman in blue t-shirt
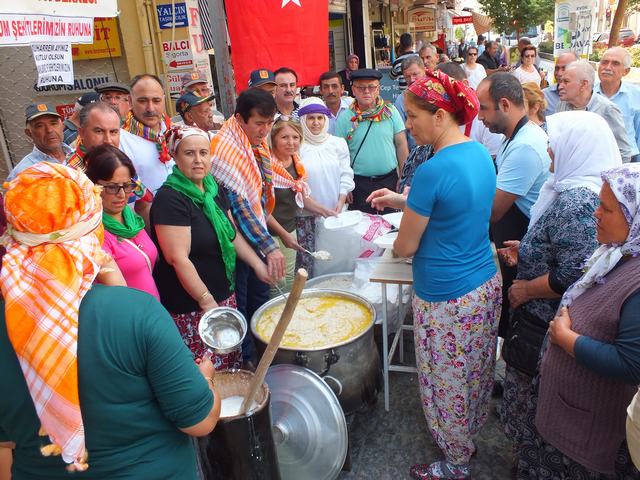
x=457, y=290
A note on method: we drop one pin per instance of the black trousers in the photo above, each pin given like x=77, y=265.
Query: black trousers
x=366, y=185
x=512, y=226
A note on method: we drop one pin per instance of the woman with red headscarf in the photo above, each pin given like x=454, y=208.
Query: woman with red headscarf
x=457, y=300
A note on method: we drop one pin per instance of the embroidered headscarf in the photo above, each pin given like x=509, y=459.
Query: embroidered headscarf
x=53, y=255
x=379, y=112
x=625, y=184
x=134, y=126
x=451, y=95
x=314, y=105
x=578, y=160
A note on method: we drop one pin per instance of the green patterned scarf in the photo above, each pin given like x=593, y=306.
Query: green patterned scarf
x=218, y=218
x=131, y=224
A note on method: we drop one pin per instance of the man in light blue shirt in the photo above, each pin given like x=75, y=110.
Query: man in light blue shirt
x=412, y=69
x=551, y=94
x=523, y=166
x=615, y=64
x=45, y=129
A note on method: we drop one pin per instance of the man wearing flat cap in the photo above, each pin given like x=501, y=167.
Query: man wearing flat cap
x=374, y=131
x=44, y=128
x=117, y=95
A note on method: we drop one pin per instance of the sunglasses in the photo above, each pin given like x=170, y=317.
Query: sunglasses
x=114, y=188
x=529, y=56
x=472, y=54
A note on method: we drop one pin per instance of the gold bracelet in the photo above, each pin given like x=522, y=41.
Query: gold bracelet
x=204, y=295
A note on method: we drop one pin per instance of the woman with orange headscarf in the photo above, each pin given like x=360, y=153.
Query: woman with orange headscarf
x=98, y=376
x=457, y=299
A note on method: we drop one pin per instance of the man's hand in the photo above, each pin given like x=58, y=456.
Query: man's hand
x=275, y=265
x=385, y=198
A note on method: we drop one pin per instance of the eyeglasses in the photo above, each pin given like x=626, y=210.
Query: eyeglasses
x=366, y=88
x=529, y=56
x=105, y=97
x=114, y=188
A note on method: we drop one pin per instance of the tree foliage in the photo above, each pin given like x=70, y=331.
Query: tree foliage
x=518, y=15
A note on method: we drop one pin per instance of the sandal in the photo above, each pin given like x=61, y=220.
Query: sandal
x=441, y=470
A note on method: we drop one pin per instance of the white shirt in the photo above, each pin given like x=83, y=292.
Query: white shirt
x=329, y=172
x=527, y=77
x=145, y=157
x=474, y=75
x=345, y=102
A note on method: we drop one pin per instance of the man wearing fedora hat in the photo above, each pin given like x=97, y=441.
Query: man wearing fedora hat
x=374, y=131
x=45, y=129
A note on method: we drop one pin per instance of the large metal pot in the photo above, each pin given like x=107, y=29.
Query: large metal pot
x=351, y=368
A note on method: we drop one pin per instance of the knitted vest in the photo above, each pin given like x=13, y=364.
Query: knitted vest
x=579, y=412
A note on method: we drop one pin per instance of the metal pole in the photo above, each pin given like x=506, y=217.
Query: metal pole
x=224, y=71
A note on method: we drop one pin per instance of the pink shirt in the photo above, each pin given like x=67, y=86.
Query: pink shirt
x=131, y=261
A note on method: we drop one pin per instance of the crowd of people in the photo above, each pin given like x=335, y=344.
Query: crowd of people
x=195, y=212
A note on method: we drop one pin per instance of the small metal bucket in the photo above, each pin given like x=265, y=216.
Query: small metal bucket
x=222, y=329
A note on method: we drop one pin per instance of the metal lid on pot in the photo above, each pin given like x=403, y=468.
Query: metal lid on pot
x=309, y=427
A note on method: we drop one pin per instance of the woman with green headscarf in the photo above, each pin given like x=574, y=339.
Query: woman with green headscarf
x=125, y=238
x=197, y=240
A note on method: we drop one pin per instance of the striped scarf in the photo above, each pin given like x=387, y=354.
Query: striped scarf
x=139, y=129
x=248, y=170
x=76, y=160
x=300, y=185
x=379, y=112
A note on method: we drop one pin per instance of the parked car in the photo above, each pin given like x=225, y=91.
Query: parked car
x=626, y=39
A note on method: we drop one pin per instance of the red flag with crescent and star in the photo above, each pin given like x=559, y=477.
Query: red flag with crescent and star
x=279, y=33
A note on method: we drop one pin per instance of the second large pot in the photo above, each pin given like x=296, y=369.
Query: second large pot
x=351, y=368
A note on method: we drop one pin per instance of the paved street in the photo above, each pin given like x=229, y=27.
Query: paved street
x=386, y=444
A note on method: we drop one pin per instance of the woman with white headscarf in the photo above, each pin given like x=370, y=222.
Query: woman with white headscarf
x=590, y=369
x=327, y=163
x=561, y=235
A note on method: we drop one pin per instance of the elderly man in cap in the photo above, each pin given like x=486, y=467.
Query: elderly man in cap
x=72, y=123
x=614, y=65
x=576, y=91
x=197, y=82
x=196, y=111
x=264, y=80
x=374, y=131
x=147, y=122
x=117, y=95
x=44, y=128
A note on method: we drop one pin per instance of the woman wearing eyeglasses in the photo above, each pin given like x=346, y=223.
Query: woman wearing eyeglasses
x=475, y=72
x=125, y=238
x=527, y=72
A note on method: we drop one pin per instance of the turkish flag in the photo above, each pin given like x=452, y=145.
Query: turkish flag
x=279, y=33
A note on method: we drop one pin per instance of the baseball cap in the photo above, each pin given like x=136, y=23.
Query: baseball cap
x=191, y=78
x=261, y=77
x=190, y=99
x=36, y=110
x=87, y=98
x=112, y=87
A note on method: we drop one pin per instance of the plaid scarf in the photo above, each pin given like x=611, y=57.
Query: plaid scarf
x=300, y=185
x=135, y=127
x=247, y=169
x=379, y=112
